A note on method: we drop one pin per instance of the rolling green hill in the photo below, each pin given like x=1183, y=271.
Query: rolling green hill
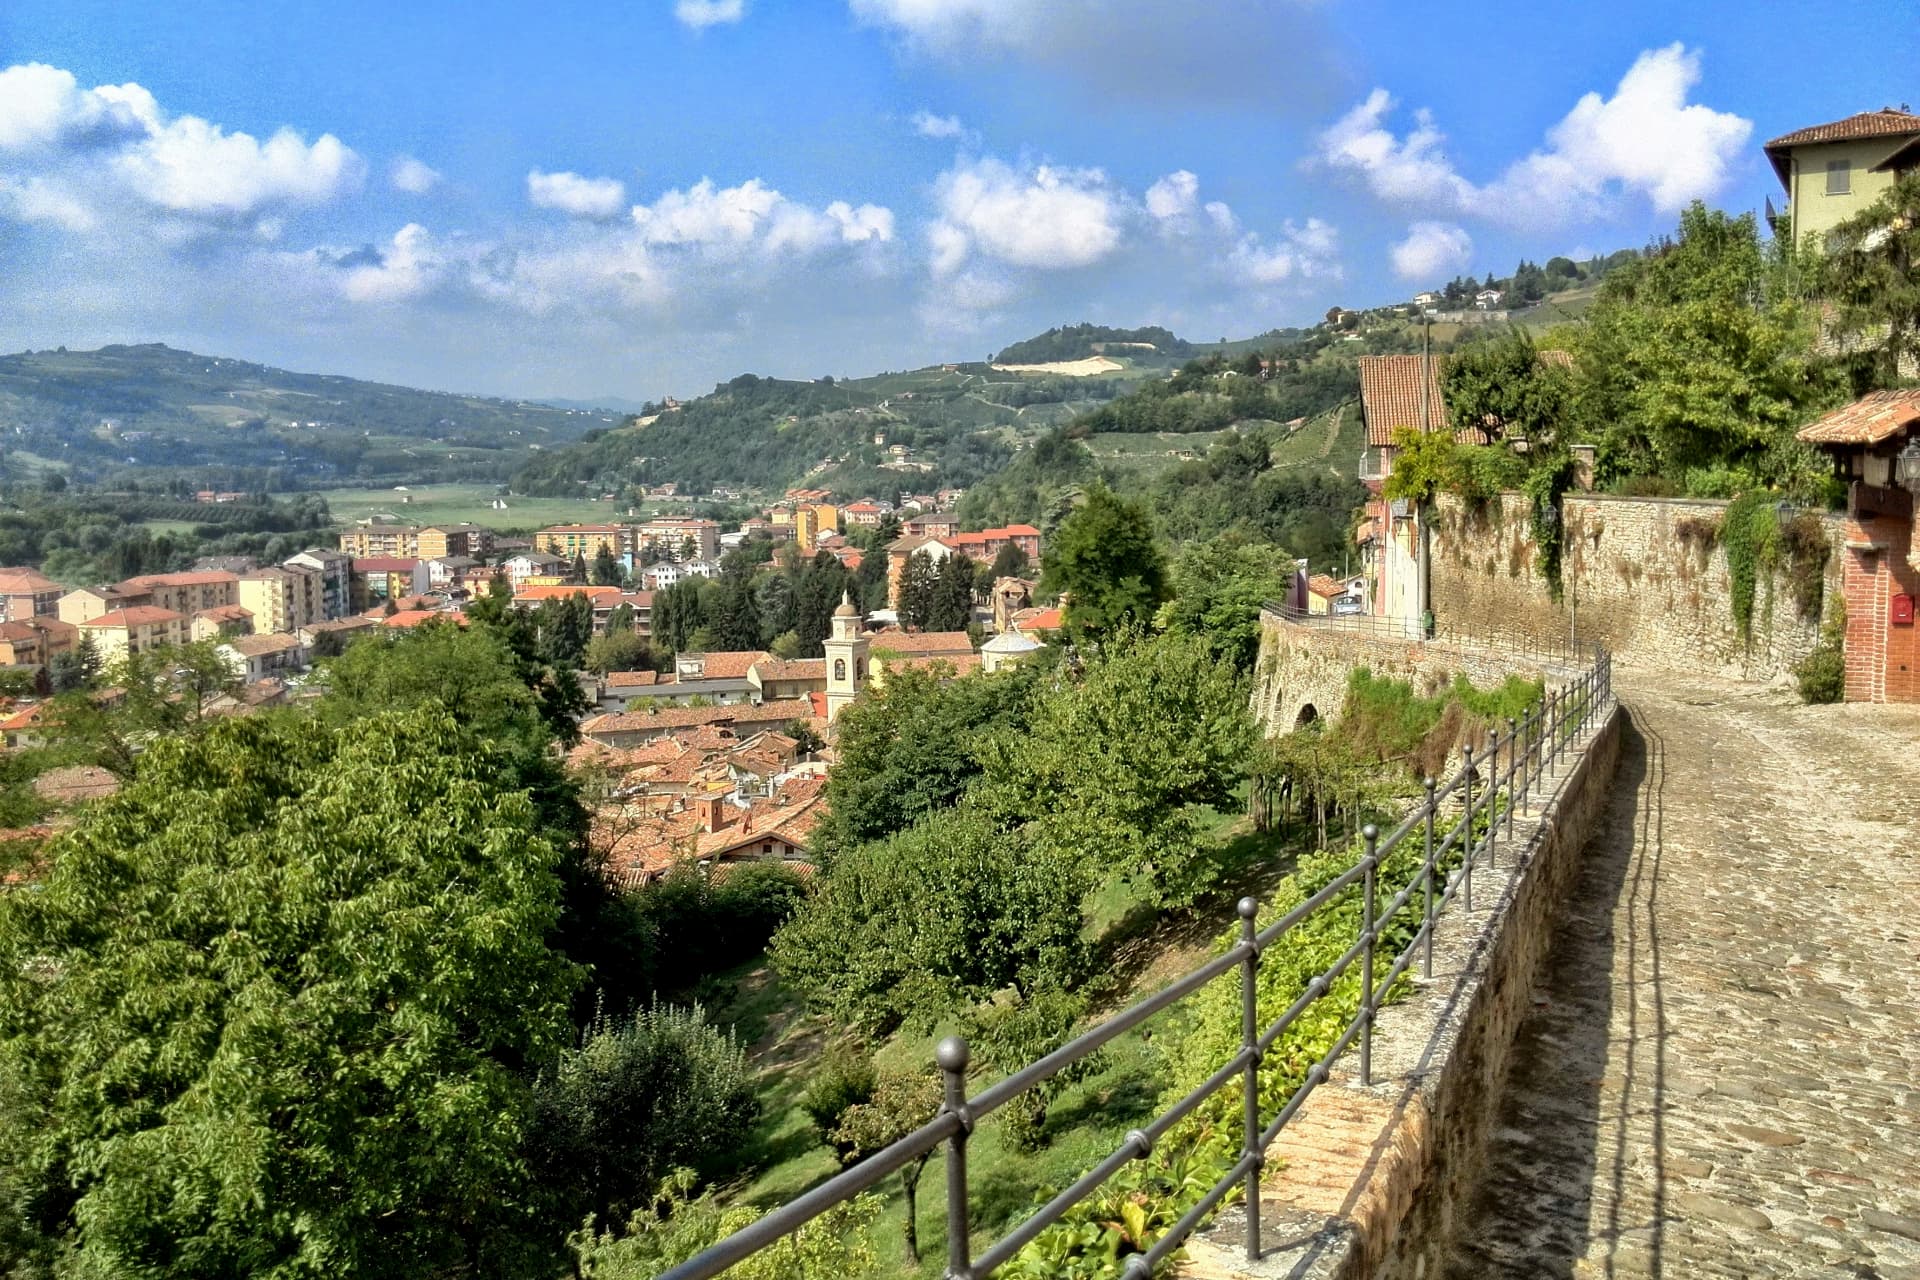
x=230, y=424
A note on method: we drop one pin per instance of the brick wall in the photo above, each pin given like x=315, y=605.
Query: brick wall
x=1883, y=661
x=1647, y=577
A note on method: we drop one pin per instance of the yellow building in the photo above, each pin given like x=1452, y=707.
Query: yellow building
x=585, y=540
x=136, y=630
x=374, y=540
x=438, y=541
x=1833, y=171
x=184, y=592
x=281, y=599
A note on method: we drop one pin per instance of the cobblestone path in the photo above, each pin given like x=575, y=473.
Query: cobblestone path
x=1721, y=1074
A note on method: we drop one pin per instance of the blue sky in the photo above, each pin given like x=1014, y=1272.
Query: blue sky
x=586, y=199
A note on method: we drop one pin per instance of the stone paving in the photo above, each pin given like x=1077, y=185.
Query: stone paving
x=1721, y=1074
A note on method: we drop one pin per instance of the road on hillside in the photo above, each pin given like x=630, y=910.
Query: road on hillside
x=1721, y=1072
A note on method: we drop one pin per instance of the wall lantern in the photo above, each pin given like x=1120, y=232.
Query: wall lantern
x=1906, y=466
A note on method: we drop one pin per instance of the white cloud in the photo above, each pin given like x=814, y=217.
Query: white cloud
x=72, y=156
x=597, y=198
x=1646, y=138
x=1175, y=196
x=755, y=216
x=1432, y=250
x=407, y=267
x=415, y=177
x=1043, y=217
x=929, y=125
x=701, y=14
x=1304, y=252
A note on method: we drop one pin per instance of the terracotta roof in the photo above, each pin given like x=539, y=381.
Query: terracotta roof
x=1391, y=388
x=1321, y=585
x=138, y=616
x=225, y=613
x=631, y=679
x=913, y=643
x=727, y=665
x=798, y=669
x=20, y=582
x=385, y=564
x=583, y=528
x=911, y=543
x=414, y=617
x=961, y=664
x=1884, y=123
x=1878, y=416
x=261, y=645
x=667, y=718
x=75, y=782
x=1027, y=620
x=31, y=628
x=353, y=622
x=148, y=580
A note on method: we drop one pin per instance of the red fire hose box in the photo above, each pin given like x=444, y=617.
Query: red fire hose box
x=1903, y=610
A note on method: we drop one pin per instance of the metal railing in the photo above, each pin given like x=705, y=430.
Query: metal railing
x=1391, y=628
x=1512, y=767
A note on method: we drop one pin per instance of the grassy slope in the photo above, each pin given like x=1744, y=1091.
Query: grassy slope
x=1141, y=946
x=447, y=503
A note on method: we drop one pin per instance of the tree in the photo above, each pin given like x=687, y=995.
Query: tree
x=919, y=583
x=735, y=621
x=1106, y=564
x=1507, y=390
x=679, y=1225
x=1009, y=562
x=950, y=607
x=606, y=569
x=785, y=646
x=641, y=1096
x=621, y=619
x=902, y=1101
x=565, y=625
x=77, y=668
x=224, y=1052
x=618, y=651
x=1870, y=273
x=1220, y=587
x=580, y=566
x=330, y=643
x=942, y=914
x=163, y=690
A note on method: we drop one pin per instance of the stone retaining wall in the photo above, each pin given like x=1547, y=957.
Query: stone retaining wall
x=1366, y=1183
x=1647, y=577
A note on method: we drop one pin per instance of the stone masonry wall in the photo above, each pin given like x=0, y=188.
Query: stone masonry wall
x=1647, y=577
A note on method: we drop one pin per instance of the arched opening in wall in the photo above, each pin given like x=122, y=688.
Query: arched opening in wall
x=1307, y=716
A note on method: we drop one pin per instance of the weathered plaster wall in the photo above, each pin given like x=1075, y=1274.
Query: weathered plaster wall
x=1647, y=577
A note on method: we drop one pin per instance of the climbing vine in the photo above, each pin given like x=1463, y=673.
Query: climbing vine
x=1751, y=533
x=1544, y=487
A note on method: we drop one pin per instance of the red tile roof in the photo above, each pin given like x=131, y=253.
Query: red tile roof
x=262, y=645
x=1884, y=123
x=1878, y=416
x=1321, y=585
x=1031, y=620
x=146, y=581
x=21, y=582
x=1391, y=389
x=667, y=718
x=726, y=665
x=415, y=617
x=596, y=594
x=145, y=615
x=631, y=679
x=960, y=664
x=914, y=643
x=226, y=613
x=385, y=564
x=798, y=669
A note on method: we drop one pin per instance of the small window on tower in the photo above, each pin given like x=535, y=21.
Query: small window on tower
x=839, y=668
x=1839, y=178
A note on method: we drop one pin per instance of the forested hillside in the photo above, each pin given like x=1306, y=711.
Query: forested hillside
x=100, y=415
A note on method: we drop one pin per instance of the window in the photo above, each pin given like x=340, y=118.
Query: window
x=839, y=668
x=1839, y=178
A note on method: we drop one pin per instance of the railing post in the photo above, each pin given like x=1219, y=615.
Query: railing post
x=1528, y=738
x=1371, y=834
x=1513, y=764
x=951, y=1054
x=1426, y=965
x=1249, y=1043
x=1466, y=833
x=1493, y=798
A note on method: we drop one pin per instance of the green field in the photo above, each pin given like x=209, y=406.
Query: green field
x=450, y=503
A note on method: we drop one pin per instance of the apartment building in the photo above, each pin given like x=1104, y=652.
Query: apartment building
x=585, y=541
x=439, y=541
x=672, y=536
x=27, y=593
x=137, y=630
x=376, y=540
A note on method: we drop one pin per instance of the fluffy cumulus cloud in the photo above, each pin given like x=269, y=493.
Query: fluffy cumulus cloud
x=1307, y=251
x=1646, y=138
x=701, y=14
x=1432, y=250
x=598, y=198
x=412, y=176
x=80, y=157
x=1042, y=217
x=755, y=216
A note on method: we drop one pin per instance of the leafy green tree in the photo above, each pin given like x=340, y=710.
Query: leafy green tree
x=606, y=568
x=1219, y=587
x=621, y=618
x=159, y=691
x=1009, y=562
x=618, y=651
x=565, y=626
x=822, y=585
x=942, y=914
x=677, y=614
x=736, y=622
x=1105, y=562
x=908, y=750
x=902, y=1101
x=270, y=1015
x=1114, y=769
x=77, y=668
x=1870, y=273
x=1505, y=388
x=580, y=566
x=785, y=646
x=639, y=1097
x=1686, y=364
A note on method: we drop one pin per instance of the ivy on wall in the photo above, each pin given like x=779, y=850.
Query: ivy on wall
x=1759, y=543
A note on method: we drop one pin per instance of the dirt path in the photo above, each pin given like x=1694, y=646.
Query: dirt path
x=1722, y=1073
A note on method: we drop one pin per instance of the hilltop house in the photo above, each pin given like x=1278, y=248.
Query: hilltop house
x=27, y=593
x=1833, y=171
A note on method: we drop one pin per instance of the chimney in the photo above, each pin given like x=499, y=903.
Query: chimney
x=713, y=812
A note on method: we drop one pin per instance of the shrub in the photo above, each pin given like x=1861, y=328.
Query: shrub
x=843, y=1079
x=1823, y=673
x=637, y=1098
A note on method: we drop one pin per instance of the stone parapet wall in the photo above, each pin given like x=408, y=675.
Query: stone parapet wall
x=1647, y=577
x=1370, y=1183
